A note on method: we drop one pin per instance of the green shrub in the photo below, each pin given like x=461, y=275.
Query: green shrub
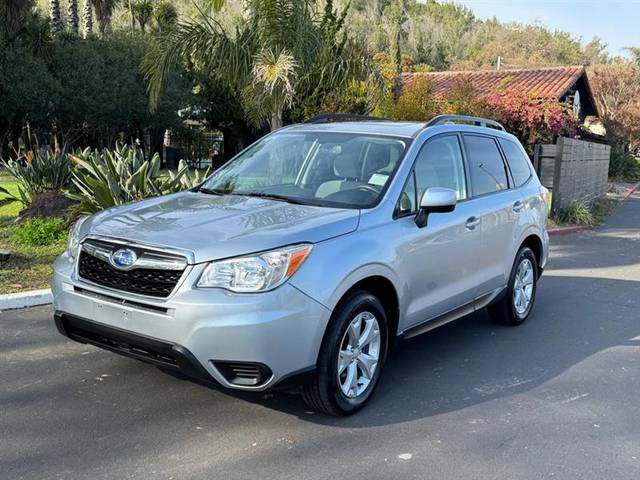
x=623, y=165
x=40, y=232
x=578, y=214
x=37, y=174
x=107, y=178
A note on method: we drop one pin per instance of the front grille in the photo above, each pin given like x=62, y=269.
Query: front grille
x=152, y=282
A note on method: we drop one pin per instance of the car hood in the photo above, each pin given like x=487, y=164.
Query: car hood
x=214, y=227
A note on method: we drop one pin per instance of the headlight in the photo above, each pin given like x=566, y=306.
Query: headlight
x=74, y=238
x=255, y=273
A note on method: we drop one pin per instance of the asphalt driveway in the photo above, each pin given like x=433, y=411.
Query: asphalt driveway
x=558, y=397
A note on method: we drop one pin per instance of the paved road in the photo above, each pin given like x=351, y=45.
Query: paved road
x=558, y=397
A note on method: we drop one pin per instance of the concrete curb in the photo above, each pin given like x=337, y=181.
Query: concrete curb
x=33, y=298
x=568, y=230
x=627, y=193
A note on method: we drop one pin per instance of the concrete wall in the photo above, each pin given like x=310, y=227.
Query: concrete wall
x=576, y=171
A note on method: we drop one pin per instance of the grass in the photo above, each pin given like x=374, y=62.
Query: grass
x=30, y=268
x=588, y=215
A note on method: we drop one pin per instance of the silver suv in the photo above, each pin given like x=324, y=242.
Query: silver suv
x=304, y=259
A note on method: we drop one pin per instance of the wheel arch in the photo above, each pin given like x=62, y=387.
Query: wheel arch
x=378, y=282
x=534, y=242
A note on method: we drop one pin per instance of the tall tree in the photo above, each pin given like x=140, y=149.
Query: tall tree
x=616, y=88
x=73, y=16
x=104, y=12
x=87, y=15
x=14, y=15
x=635, y=53
x=275, y=60
x=54, y=15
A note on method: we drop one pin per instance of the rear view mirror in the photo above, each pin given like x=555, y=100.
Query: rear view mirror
x=435, y=200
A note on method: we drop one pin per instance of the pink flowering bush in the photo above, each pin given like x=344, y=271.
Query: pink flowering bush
x=533, y=120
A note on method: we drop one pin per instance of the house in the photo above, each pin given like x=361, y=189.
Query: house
x=565, y=84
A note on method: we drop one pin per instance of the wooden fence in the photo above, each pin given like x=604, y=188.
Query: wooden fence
x=576, y=171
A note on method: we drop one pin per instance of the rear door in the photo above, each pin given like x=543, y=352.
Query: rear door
x=497, y=206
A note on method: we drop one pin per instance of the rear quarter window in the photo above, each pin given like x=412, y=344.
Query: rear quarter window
x=518, y=161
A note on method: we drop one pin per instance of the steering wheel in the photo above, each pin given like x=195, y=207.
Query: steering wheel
x=368, y=189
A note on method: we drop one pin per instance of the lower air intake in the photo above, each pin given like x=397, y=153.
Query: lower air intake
x=244, y=374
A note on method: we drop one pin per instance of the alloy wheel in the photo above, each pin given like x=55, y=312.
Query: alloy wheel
x=523, y=287
x=359, y=354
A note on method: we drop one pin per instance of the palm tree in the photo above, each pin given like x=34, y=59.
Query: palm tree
x=288, y=51
x=87, y=15
x=54, y=15
x=143, y=12
x=73, y=16
x=104, y=12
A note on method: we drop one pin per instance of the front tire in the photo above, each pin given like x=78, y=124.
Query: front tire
x=516, y=305
x=351, y=356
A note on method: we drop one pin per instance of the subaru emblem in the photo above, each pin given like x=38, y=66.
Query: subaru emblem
x=123, y=258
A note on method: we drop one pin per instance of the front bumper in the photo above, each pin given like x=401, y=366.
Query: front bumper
x=194, y=330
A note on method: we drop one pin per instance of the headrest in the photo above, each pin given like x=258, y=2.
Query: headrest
x=345, y=167
x=377, y=158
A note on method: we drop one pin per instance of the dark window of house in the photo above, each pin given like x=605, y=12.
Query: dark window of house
x=486, y=167
x=518, y=161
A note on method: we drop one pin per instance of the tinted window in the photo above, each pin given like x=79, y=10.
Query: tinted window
x=439, y=164
x=519, y=163
x=486, y=166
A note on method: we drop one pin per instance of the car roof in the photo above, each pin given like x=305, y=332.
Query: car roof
x=396, y=129
x=383, y=127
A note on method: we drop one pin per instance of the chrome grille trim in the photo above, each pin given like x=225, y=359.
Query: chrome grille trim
x=147, y=260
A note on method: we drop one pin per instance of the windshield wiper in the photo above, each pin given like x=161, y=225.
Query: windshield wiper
x=211, y=191
x=272, y=196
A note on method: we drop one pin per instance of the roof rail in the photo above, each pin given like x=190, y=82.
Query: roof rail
x=451, y=119
x=341, y=117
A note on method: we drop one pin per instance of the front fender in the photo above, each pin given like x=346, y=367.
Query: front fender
x=337, y=265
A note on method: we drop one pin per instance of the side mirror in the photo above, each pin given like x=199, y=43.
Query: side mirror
x=435, y=200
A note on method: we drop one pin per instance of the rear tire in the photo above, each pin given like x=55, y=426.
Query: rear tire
x=516, y=304
x=351, y=356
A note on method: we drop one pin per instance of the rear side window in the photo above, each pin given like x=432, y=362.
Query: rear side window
x=486, y=167
x=519, y=163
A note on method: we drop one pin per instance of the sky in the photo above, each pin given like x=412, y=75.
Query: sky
x=616, y=22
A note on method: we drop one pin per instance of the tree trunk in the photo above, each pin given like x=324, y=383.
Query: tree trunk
x=87, y=14
x=54, y=15
x=73, y=16
x=133, y=17
x=276, y=119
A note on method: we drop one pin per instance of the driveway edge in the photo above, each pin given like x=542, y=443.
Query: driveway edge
x=12, y=301
x=583, y=228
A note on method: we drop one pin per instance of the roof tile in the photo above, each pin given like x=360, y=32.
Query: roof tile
x=553, y=82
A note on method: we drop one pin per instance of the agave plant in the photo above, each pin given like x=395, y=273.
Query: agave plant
x=107, y=178
x=37, y=173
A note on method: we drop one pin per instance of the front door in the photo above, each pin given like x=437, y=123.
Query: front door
x=439, y=260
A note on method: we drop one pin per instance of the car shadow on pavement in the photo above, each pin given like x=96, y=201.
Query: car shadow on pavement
x=474, y=360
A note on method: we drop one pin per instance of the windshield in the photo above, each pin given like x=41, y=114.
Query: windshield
x=316, y=168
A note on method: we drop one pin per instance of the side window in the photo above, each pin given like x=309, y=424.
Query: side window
x=519, y=163
x=486, y=167
x=439, y=164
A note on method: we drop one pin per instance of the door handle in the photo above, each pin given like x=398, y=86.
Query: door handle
x=472, y=223
x=517, y=206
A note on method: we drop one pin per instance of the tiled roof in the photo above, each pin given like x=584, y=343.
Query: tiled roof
x=551, y=82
